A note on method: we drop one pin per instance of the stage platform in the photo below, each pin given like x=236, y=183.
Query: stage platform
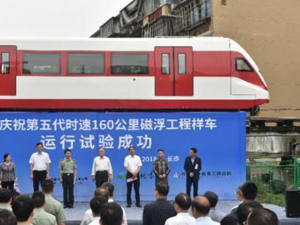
x=134, y=214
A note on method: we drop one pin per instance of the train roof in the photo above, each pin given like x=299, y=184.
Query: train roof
x=119, y=44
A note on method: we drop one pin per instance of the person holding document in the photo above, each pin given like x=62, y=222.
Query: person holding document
x=133, y=165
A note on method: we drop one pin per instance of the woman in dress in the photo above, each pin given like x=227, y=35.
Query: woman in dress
x=7, y=173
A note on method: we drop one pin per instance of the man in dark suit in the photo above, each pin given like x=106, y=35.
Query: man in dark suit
x=156, y=213
x=192, y=167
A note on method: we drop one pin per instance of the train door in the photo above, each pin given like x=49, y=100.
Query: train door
x=8, y=70
x=174, y=71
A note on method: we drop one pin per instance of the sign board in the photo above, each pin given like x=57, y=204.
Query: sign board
x=219, y=137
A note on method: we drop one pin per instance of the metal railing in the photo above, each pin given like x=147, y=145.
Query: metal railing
x=273, y=180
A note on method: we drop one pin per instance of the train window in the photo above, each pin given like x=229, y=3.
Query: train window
x=5, y=65
x=43, y=63
x=129, y=63
x=83, y=63
x=242, y=65
x=165, y=64
x=181, y=63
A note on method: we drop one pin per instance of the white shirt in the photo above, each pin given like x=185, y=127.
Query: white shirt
x=88, y=216
x=95, y=221
x=124, y=213
x=101, y=164
x=40, y=161
x=133, y=162
x=216, y=215
x=181, y=219
x=205, y=221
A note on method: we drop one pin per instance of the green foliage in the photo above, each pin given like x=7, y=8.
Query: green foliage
x=264, y=195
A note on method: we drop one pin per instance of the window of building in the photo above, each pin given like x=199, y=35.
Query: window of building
x=41, y=63
x=181, y=63
x=83, y=63
x=5, y=65
x=242, y=65
x=129, y=63
x=165, y=64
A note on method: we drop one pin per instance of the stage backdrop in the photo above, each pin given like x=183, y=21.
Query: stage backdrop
x=219, y=137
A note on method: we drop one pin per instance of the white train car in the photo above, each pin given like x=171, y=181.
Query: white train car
x=201, y=73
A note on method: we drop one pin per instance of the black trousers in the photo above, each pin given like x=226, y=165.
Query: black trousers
x=192, y=181
x=136, y=185
x=68, y=187
x=38, y=178
x=8, y=184
x=101, y=178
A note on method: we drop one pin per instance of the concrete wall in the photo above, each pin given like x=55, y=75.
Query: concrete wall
x=270, y=144
x=270, y=31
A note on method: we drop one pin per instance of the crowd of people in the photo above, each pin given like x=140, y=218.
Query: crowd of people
x=42, y=209
x=102, y=172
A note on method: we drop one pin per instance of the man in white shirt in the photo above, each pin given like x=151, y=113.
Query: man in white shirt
x=133, y=165
x=215, y=214
x=200, y=209
x=88, y=216
x=110, y=188
x=102, y=169
x=240, y=198
x=182, y=204
x=39, y=166
x=95, y=204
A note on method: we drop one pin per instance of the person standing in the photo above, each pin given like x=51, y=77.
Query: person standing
x=111, y=213
x=23, y=208
x=214, y=213
x=7, y=173
x=161, y=168
x=68, y=177
x=192, y=167
x=102, y=169
x=39, y=215
x=7, y=217
x=39, y=166
x=200, y=210
x=133, y=165
x=95, y=204
x=53, y=206
x=182, y=204
x=5, y=199
x=156, y=213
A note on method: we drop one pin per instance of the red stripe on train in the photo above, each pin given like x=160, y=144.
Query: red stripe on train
x=64, y=104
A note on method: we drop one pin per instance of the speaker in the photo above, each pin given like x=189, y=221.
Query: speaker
x=292, y=203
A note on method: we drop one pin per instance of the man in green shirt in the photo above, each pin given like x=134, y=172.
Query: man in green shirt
x=5, y=199
x=23, y=207
x=68, y=176
x=40, y=216
x=53, y=206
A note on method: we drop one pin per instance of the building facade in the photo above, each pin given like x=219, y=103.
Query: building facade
x=269, y=30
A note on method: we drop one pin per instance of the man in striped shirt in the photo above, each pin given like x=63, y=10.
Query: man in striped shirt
x=161, y=168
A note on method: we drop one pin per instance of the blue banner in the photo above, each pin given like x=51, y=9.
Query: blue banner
x=219, y=137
